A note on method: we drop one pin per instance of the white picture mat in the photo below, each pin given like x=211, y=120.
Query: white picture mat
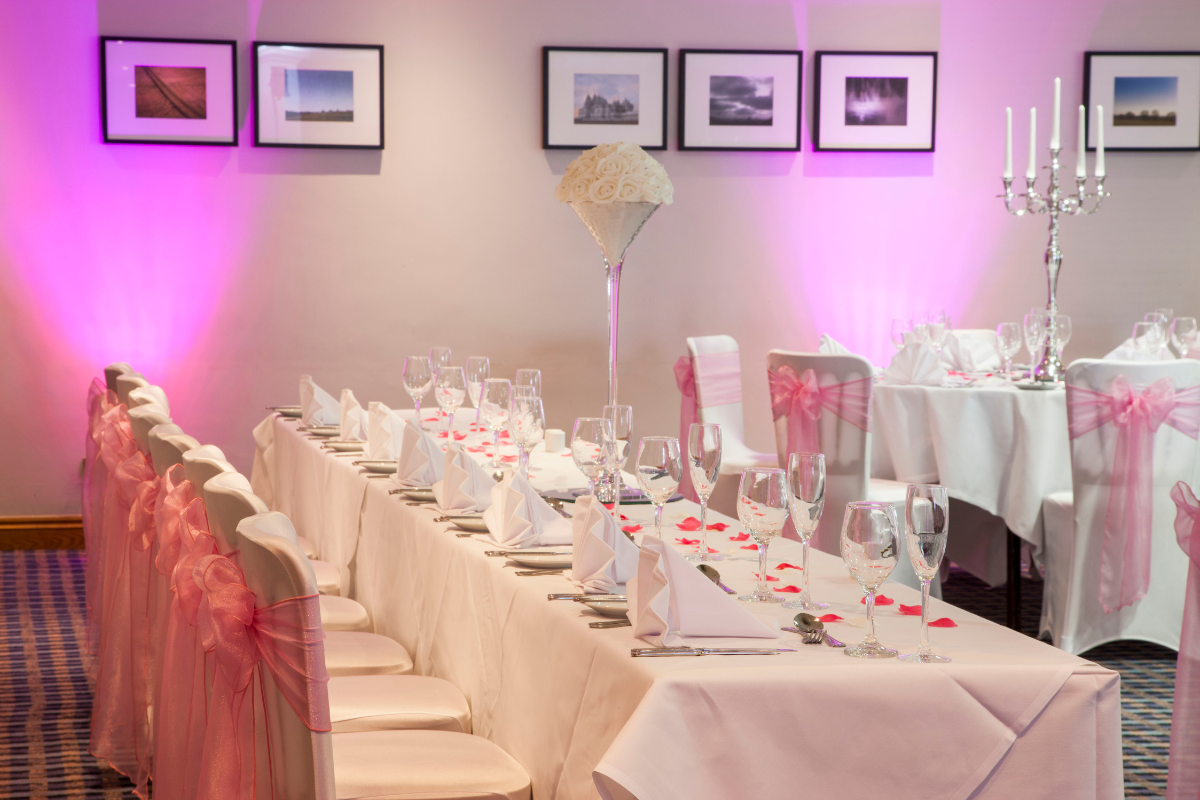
x=120, y=58
x=1185, y=133
x=273, y=128
x=784, y=130
x=562, y=67
x=917, y=134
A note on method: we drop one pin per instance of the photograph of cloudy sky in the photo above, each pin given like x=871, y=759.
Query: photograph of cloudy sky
x=318, y=95
x=1141, y=101
x=741, y=100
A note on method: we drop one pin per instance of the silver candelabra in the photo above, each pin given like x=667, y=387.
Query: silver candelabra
x=1053, y=202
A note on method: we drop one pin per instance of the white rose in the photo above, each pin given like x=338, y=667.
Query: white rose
x=652, y=189
x=603, y=190
x=638, y=169
x=629, y=190
x=611, y=167
x=604, y=150
x=578, y=190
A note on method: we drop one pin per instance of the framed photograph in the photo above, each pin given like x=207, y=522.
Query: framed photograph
x=875, y=101
x=592, y=95
x=739, y=99
x=318, y=95
x=1151, y=101
x=168, y=91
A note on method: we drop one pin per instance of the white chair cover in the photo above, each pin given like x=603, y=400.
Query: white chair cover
x=127, y=383
x=112, y=371
x=168, y=443
x=145, y=395
x=142, y=419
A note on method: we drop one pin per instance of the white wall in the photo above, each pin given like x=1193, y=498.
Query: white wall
x=265, y=264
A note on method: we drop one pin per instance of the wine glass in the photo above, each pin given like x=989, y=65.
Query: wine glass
x=1062, y=332
x=494, y=407
x=762, y=506
x=870, y=548
x=522, y=391
x=939, y=331
x=418, y=377
x=527, y=423
x=450, y=390
x=591, y=446
x=530, y=377
x=1162, y=319
x=1183, y=334
x=927, y=524
x=439, y=357
x=1145, y=336
x=899, y=328
x=479, y=369
x=1035, y=336
x=704, y=467
x=621, y=418
x=659, y=468
x=1008, y=342
x=806, y=501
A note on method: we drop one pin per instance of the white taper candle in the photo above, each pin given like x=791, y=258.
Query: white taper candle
x=1031, y=173
x=1008, y=143
x=1099, y=141
x=1081, y=158
x=1054, y=140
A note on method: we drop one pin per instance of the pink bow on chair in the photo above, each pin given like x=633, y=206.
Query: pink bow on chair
x=1183, y=767
x=802, y=400
x=1125, y=554
x=721, y=376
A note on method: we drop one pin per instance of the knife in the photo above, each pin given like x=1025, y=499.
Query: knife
x=707, y=651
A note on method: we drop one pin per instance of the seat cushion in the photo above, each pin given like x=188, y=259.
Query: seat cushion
x=343, y=614
x=329, y=578
x=360, y=653
x=306, y=547
x=397, y=702
x=885, y=491
x=448, y=766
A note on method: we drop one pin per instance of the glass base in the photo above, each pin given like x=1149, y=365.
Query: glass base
x=805, y=605
x=924, y=658
x=695, y=557
x=865, y=650
x=761, y=597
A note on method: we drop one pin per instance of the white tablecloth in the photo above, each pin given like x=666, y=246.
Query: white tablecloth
x=1008, y=717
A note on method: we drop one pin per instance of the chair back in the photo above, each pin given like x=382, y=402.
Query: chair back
x=719, y=386
x=276, y=570
x=200, y=467
x=228, y=499
x=142, y=419
x=847, y=447
x=112, y=371
x=127, y=383
x=168, y=443
x=144, y=395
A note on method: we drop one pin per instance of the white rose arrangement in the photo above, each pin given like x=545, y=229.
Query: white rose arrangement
x=615, y=173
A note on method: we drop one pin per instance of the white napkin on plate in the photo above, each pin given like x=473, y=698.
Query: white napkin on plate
x=317, y=406
x=385, y=432
x=832, y=347
x=915, y=364
x=1128, y=351
x=352, y=418
x=518, y=516
x=421, y=459
x=604, y=557
x=671, y=601
x=971, y=351
x=465, y=487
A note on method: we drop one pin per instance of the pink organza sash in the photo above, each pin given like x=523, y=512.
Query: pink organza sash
x=116, y=446
x=287, y=637
x=1125, y=554
x=721, y=376
x=802, y=400
x=1183, y=768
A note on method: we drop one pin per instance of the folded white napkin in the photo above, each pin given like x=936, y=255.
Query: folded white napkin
x=603, y=557
x=518, y=516
x=915, y=364
x=385, y=432
x=832, y=347
x=671, y=601
x=465, y=487
x=317, y=406
x=971, y=351
x=421, y=460
x=353, y=418
x=1128, y=351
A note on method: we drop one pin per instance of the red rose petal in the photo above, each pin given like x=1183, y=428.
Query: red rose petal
x=623, y=517
x=458, y=437
x=689, y=524
x=880, y=600
x=944, y=622
x=830, y=618
x=785, y=565
x=431, y=419
x=632, y=528
x=688, y=541
x=509, y=459
x=718, y=526
x=911, y=611
x=769, y=577
x=789, y=589
x=609, y=506
x=741, y=537
x=749, y=547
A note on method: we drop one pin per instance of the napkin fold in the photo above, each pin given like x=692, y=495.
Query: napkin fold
x=971, y=351
x=603, y=557
x=518, y=516
x=1128, y=351
x=832, y=347
x=421, y=462
x=915, y=364
x=385, y=432
x=352, y=418
x=465, y=487
x=670, y=602
x=317, y=406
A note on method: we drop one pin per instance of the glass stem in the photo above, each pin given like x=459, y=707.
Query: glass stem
x=417, y=403
x=763, y=588
x=658, y=520
x=870, y=638
x=592, y=485
x=804, y=599
x=702, y=548
x=1007, y=365
x=496, y=446
x=924, y=648
x=617, y=493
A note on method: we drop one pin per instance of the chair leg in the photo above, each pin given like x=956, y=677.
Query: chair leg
x=1013, y=582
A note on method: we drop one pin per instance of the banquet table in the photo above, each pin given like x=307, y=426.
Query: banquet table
x=1009, y=716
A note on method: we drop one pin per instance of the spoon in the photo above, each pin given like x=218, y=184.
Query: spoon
x=809, y=626
x=714, y=576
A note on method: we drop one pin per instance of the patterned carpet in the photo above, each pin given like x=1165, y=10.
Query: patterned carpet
x=45, y=701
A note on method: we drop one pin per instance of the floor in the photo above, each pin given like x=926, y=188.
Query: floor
x=45, y=701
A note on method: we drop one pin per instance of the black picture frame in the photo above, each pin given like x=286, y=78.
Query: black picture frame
x=682, y=100
x=109, y=137
x=661, y=144
x=818, y=58
x=1088, y=58
x=254, y=59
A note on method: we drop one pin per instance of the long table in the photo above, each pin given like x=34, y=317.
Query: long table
x=1008, y=717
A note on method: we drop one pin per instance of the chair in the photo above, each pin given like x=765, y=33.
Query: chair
x=142, y=419
x=146, y=395
x=1072, y=612
x=127, y=383
x=847, y=450
x=112, y=371
x=200, y=465
x=168, y=443
x=394, y=763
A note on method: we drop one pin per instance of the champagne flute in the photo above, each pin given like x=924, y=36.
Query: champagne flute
x=591, y=446
x=1008, y=342
x=439, y=357
x=899, y=328
x=806, y=500
x=621, y=418
x=1183, y=334
x=1162, y=319
x=927, y=524
x=418, y=377
x=1035, y=336
x=704, y=467
x=659, y=468
x=450, y=390
x=870, y=548
x=479, y=369
x=1062, y=332
x=494, y=406
x=762, y=506
x=530, y=377
x=527, y=423
x=1145, y=336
